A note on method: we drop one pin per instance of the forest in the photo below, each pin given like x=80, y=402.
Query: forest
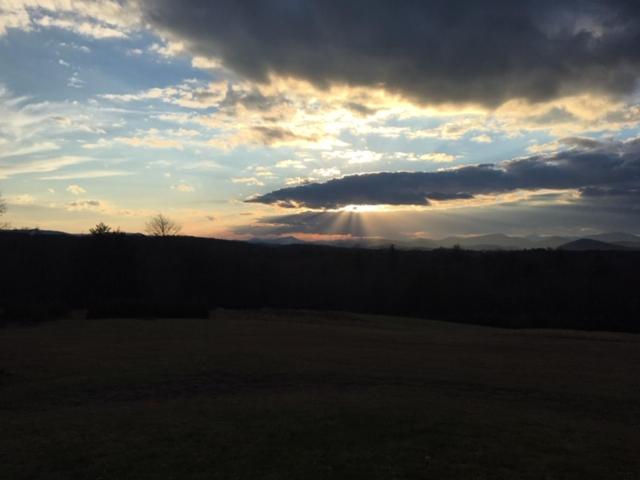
x=45, y=277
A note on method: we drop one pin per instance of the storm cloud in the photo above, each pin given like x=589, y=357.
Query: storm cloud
x=432, y=51
x=604, y=169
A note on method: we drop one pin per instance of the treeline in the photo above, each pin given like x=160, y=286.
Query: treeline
x=134, y=276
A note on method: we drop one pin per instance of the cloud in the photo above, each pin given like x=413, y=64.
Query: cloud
x=333, y=223
x=39, y=166
x=240, y=113
x=433, y=52
x=514, y=218
x=87, y=174
x=297, y=164
x=276, y=135
x=106, y=19
x=327, y=172
x=437, y=157
x=37, y=147
x=87, y=29
x=152, y=138
x=169, y=49
x=75, y=46
x=183, y=187
x=250, y=181
x=189, y=94
x=609, y=166
x=236, y=113
x=24, y=199
x=76, y=189
x=262, y=171
x=28, y=127
x=452, y=130
x=296, y=181
x=353, y=157
x=243, y=113
x=483, y=138
x=205, y=63
x=13, y=16
x=75, y=82
x=360, y=109
x=251, y=99
x=92, y=205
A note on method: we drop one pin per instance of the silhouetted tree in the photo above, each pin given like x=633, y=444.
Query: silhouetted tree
x=101, y=229
x=3, y=209
x=161, y=226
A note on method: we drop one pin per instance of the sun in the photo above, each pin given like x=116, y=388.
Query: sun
x=362, y=208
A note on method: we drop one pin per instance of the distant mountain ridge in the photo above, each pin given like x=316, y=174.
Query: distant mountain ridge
x=290, y=240
x=37, y=231
x=496, y=241
x=589, y=244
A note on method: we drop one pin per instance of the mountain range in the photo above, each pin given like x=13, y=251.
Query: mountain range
x=496, y=241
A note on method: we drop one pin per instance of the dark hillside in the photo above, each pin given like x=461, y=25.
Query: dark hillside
x=118, y=275
x=587, y=244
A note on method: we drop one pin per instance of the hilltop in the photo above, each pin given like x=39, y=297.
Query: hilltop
x=47, y=276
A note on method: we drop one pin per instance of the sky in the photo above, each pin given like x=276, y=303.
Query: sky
x=322, y=118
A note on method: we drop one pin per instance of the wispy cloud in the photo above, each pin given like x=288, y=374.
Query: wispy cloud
x=249, y=181
x=15, y=150
x=40, y=166
x=107, y=19
x=87, y=174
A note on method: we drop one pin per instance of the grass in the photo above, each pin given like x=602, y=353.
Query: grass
x=308, y=395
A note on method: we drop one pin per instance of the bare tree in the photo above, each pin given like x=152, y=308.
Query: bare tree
x=161, y=226
x=3, y=209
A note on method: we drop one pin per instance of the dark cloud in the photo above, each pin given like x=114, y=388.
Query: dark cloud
x=252, y=100
x=610, y=166
x=271, y=135
x=517, y=218
x=429, y=50
x=582, y=142
x=600, y=192
x=554, y=116
x=84, y=203
x=360, y=109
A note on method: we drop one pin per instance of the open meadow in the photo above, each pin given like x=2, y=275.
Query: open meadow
x=286, y=394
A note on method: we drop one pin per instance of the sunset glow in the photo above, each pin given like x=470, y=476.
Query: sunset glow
x=113, y=111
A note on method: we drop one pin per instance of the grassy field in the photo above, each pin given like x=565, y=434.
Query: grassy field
x=270, y=395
